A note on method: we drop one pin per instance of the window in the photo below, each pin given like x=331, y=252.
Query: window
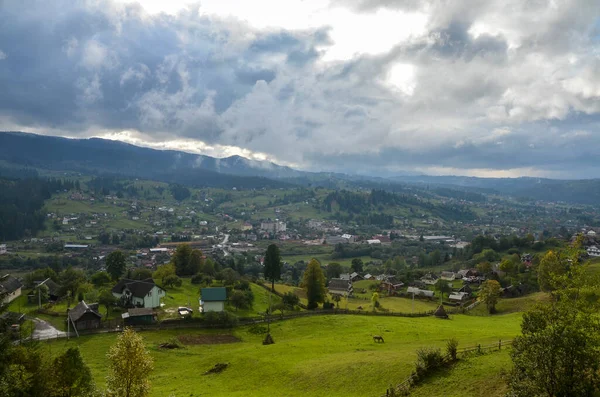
x=150, y=293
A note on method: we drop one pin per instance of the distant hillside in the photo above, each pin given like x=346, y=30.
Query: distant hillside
x=585, y=191
x=99, y=156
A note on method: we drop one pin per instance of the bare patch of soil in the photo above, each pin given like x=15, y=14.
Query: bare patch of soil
x=207, y=339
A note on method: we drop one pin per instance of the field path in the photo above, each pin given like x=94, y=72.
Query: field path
x=44, y=330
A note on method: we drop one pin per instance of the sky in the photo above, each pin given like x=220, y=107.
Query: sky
x=495, y=88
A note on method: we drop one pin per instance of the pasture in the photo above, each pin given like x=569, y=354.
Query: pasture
x=313, y=356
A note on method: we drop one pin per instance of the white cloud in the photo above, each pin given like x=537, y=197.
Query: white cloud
x=3, y=55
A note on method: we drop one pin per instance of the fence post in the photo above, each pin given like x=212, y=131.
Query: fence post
x=479, y=348
x=500, y=344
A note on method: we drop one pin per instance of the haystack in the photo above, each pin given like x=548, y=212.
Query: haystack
x=440, y=312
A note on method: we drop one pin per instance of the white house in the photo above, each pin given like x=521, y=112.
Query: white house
x=213, y=299
x=141, y=293
x=2, y=249
x=458, y=296
x=374, y=241
x=591, y=233
x=11, y=286
x=593, y=251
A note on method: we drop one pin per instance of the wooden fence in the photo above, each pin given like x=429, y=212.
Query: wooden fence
x=465, y=352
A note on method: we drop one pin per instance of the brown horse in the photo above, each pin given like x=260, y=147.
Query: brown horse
x=378, y=338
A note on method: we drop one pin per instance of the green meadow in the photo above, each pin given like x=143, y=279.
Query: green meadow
x=315, y=356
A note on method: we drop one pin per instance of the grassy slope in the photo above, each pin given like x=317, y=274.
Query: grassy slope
x=477, y=376
x=323, y=355
x=512, y=305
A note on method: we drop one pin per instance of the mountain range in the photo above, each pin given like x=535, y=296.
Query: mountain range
x=108, y=157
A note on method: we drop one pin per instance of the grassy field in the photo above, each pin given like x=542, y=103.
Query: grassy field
x=513, y=305
x=477, y=376
x=316, y=356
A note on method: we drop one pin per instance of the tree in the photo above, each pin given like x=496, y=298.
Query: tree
x=313, y=282
x=436, y=257
x=181, y=260
x=557, y=353
x=164, y=271
x=238, y=299
x=130, y=365
x=357, y=265
x=107, y=299
x=551, y=266
x=272, y=265
x=100, y=279
x=196, y=262
x=334, y=270
x=375, y=299
x=71, y=376
x=489, y=293
x=115, y=264
x=141, y=274
x=70, y=280
x=208, y=267
x=290, y=300
x=336, y=298
x=484, y=267
x=172, y=281
x=442, y=287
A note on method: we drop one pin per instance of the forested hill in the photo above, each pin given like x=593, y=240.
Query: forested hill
x=99, y=156
x=371, y=208
x=21, y=203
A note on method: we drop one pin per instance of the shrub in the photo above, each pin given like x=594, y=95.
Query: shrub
x=290, y=300
x=257, y=329
x=197, y=278
x=328, y=305
x=428, y=359
x=452, y=348
x=223, y=319
x=312, y=305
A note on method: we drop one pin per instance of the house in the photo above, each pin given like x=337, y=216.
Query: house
x=349, y=237
x=467, y=289
x=213, y=299
x=466, y=273
x=140, y=293
x=53, y=291
x=338, y=286
x=355, y=277
x=84, y=316
x=593, y=251
x=420, y=292
x=391, y=286
x=458, y=296
x=335, y=240
x=139, y=316
x=11, y=286
x=3, y=249
x=448, y=276
x=369, y=276
x=76, y=246
x=273, y=227
x=373, y=242
x=429, y=279
x=591, y=233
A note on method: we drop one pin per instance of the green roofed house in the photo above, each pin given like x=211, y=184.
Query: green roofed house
x=213, y=299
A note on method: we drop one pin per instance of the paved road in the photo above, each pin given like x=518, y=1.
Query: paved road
x=44, y=330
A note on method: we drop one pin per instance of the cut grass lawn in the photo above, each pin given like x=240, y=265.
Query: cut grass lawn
x=313, y=356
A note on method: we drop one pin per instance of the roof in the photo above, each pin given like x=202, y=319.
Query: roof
x=458, y=295
x=338, y=284
x=82, y=308
x=9, y=284
x=417, y=291
x=138, y=288
x=345, y=276
x=447, y=274
x=217, y=294
x=368, y=275
x=53, y=288
x=140, y=311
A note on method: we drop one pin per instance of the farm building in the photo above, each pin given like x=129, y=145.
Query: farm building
x=448, y=276
x=11, y=286
x=458, y=296
x=139, y=316
x=84, y=316
x=53, y=291
x=340, y=287
x=420, y=292
x=213, y=299
x=140, y=293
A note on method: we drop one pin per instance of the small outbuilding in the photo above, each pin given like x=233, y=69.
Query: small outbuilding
x=139, y=316
x=213, y=299
x=84, y=316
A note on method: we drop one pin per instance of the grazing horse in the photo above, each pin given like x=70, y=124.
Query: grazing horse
x=378, y=338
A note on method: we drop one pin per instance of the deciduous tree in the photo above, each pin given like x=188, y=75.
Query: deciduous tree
x=130, y=365
x=115, y=264
x=442, y=287
x=334, y=270
x=489, y=293
x=71, y=376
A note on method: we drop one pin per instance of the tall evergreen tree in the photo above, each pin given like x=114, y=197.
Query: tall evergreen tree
x=272, y=264
x=313, y=282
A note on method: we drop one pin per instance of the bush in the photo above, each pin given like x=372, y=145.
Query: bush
x=452, y=348
x=223, y=319
x=312, y=305
x=328, y=305
x=257, y=329
x=197, y=278
x=428, y=360
x=290, y=300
